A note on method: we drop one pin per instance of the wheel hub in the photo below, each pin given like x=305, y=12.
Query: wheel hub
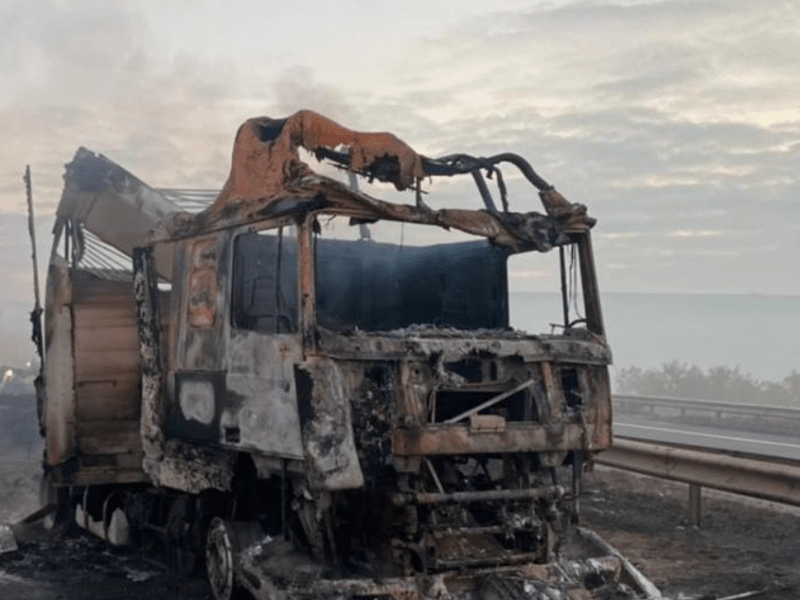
x=219, y=559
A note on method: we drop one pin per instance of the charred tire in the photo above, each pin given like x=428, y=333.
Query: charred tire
x=219, y=559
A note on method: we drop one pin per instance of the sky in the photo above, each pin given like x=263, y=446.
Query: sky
x=677, y=122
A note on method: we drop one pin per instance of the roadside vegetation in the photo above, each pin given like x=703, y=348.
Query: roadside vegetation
x=681, y=380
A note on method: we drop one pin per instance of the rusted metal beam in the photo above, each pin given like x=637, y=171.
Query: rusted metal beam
x=117, y=207
x=650, y=591
x=306, y=282
x=553, y=492
x=594, y=313
x=755, y=478
x=517, y=437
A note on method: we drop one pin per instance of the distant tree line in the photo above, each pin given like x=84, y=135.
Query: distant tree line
x=681, y=380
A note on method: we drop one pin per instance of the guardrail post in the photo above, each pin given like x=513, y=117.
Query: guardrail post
x=696, y=503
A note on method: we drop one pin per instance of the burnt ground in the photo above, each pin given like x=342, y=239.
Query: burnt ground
x=742, y=546
x=75, y=565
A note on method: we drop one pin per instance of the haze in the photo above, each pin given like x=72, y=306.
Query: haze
x=677, y=122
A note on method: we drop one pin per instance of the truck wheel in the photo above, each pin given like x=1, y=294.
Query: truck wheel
x=219, y=559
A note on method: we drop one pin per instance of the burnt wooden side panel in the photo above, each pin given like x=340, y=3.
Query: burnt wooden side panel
x=95, y=398
x=106, y=367
x=94, y=316
x=107, y=338
x=107, y=377
x=91, y=290
x=102, y=366
x=109, y=437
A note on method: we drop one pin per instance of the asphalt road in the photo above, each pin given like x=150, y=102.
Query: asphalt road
x=777, y=445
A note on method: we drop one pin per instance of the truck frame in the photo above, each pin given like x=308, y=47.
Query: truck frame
x=319, y=414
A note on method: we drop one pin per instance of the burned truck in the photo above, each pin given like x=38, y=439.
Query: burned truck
x=316, y=390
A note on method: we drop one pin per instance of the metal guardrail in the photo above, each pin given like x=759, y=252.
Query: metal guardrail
x=777, y=482
x=666, y=406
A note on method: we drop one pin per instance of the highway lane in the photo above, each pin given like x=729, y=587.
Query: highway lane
x=772, y=445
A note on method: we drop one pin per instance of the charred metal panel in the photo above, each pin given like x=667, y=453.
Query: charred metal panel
x=201, y=304
x=453, y=345
x=326, y=421
x=599, y=390
x=199, y=401
x=260, y=408
x=113, y=204
x=59, y=367
x=151, y=346
x=196, y=388
x=376, y=387
x=192, y=468
x=261, y=401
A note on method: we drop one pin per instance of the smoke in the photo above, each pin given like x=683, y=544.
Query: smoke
x=297, y=88
x=94, y=74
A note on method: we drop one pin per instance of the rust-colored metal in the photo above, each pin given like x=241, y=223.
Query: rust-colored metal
x=553, y=493
x=516, y=437
x=265, y=155
x=307, y=286
x=268, y=178
x=203, y=285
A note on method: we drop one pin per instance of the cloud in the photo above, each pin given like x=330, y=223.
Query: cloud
x=692, y=233
x=90, y=73
x=661, y=116
x=297, y=87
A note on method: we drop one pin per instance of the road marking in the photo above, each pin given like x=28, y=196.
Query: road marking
x=710, y=435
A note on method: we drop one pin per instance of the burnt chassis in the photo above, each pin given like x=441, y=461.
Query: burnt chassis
x=440, y=446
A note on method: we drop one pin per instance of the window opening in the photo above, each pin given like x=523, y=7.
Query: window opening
x=571, y=385
x=573, y=284
x=264, y=293
x=403, y=275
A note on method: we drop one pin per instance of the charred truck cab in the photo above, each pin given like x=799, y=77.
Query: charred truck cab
x=312, y=386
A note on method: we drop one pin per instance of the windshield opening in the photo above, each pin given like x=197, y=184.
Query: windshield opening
x=388, y=275
x=546, y=291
